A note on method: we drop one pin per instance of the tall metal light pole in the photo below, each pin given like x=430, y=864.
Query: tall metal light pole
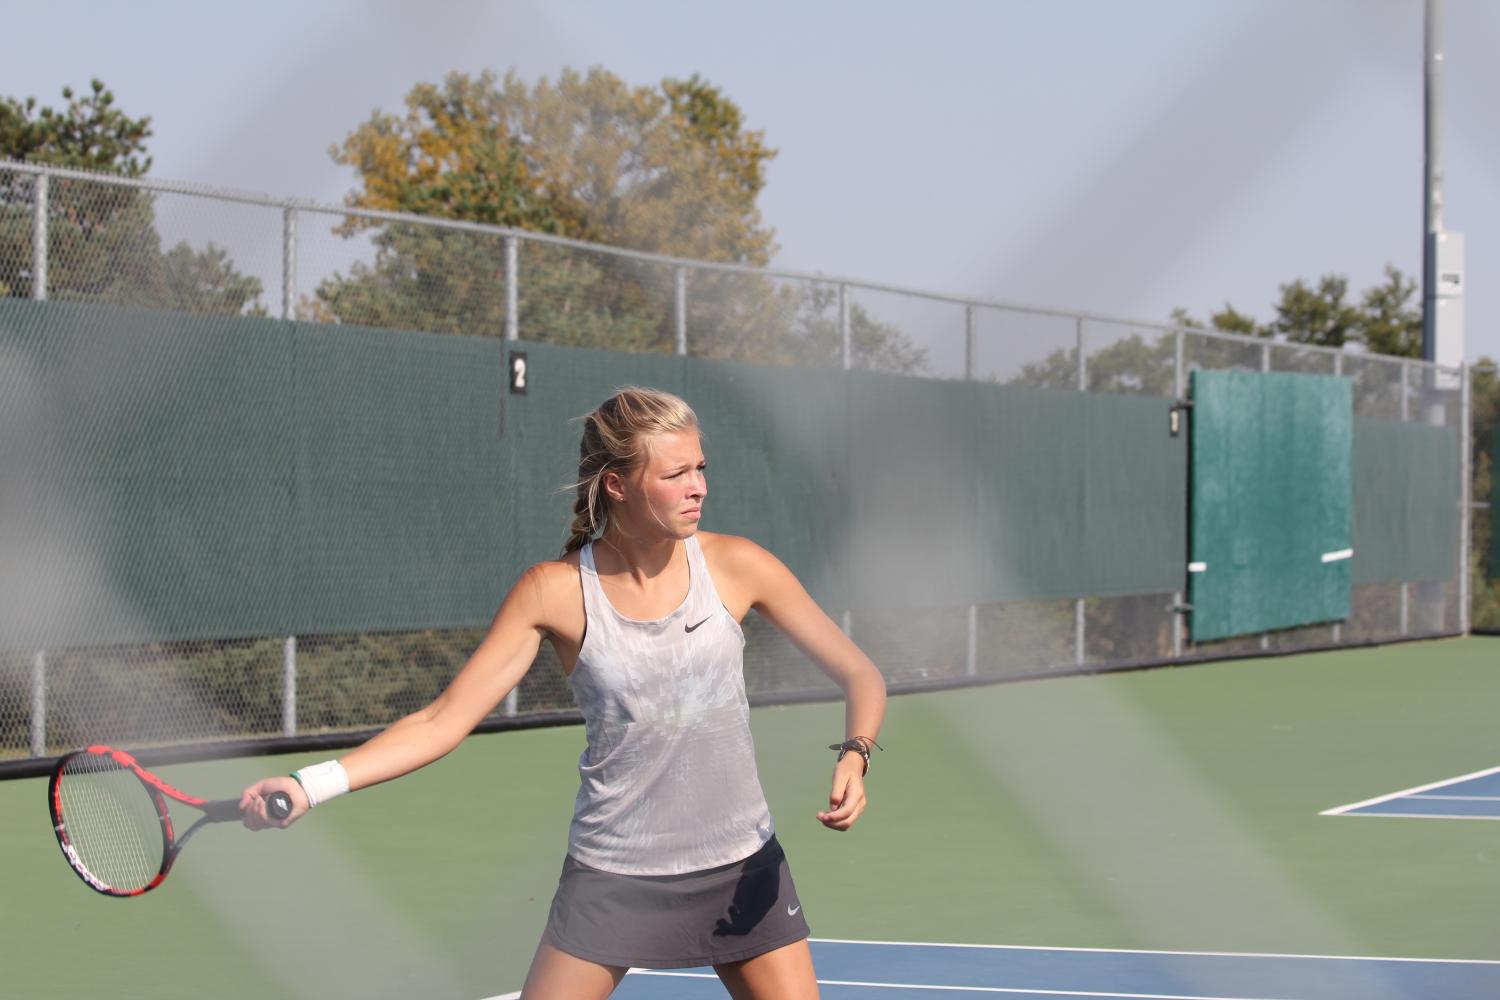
x=1442, y=251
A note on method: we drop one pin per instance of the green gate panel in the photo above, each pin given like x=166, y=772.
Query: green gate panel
x=1406, y=483
x=1271, y=499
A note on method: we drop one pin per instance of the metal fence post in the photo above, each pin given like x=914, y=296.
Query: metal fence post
x=1080, y=637
x=512, y=703
x=289, y=686
x=846, y=621
x=1466, y=494
x=971, y=656
x=39, y=704
x=289, y=312
x=1405, y=625
x=969, y=343
x=1338, y=627
x=39, y=194
x=846, y=340
x=1265, y=366
x=1177, y=393
x=1082, y=363
x=39, y=198
x=288, y=263
x=680, y=309
x=512, y=297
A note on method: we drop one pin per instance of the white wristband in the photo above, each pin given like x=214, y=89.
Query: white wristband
x=322, y=782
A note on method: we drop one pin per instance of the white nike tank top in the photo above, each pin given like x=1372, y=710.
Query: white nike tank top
x=668, y=779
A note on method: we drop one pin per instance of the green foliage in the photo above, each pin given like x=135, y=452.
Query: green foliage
x=1390, y=322
x=102, y=241
x=1315, y=315
x=1386, y=321
x=670, y=170
x=90, y=133
x=1484, y=551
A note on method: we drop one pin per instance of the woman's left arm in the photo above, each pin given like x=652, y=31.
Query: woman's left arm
x=774, y=592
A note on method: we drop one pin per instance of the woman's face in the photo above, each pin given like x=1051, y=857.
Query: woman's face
x=664, y=494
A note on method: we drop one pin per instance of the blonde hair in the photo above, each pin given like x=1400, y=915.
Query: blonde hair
x=614, y=440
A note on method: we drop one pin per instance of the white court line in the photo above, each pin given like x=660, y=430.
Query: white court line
x=980, y=989
x=1396, y=815
x=1153, y=951
x=1100, y=951
x=1341, y=810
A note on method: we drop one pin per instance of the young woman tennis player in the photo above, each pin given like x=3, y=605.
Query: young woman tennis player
x=672, y=860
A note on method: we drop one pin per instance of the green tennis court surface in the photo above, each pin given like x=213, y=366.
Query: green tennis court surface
x=1166, y=810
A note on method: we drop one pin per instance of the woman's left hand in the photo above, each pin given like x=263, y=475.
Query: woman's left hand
x=847, y=800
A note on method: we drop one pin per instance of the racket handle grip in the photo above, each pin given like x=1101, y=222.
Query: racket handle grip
x=279, y=805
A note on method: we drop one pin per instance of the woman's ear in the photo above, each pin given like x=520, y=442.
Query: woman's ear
x=614, y=486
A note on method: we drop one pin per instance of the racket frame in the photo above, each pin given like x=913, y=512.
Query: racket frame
x=220, y=811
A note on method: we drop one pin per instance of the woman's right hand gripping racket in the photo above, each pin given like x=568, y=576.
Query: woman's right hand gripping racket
x=112, y=820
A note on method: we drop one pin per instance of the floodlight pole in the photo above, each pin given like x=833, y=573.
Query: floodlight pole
x=1432, y=201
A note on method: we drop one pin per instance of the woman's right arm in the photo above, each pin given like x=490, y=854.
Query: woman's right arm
x=494, y=668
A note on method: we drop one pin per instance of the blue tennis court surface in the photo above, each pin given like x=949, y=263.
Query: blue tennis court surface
x=1469, y=796
x=865, y=970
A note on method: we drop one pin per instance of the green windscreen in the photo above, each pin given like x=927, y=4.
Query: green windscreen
x=173, y=477
x=1494, y=502
x=1406, y=476
x=1271, y=534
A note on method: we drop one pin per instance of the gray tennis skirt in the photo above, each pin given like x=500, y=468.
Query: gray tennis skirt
x=717, y=915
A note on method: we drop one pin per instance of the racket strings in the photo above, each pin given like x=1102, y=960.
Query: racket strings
x=111, y=822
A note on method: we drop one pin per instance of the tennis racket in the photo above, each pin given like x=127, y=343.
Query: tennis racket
x=111, y=819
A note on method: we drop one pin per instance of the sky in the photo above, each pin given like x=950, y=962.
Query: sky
x=1110, y=157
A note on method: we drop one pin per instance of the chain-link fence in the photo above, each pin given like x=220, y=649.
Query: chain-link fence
x=177, y=253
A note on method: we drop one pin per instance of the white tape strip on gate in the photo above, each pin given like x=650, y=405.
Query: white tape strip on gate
x=1329, y=557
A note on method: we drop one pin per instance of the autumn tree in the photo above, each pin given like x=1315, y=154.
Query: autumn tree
x=670, y=170
x=103, y=245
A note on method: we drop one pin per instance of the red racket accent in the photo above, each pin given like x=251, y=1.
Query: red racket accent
x=126, y=760
x=108, y=813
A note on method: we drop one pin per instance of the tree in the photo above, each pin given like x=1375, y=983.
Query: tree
x=671, y=170
x=90, y=134
x=1320, y=316
x=1484, y=565
x=1390, y=323
x=1386, y=321
x=103, y=245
